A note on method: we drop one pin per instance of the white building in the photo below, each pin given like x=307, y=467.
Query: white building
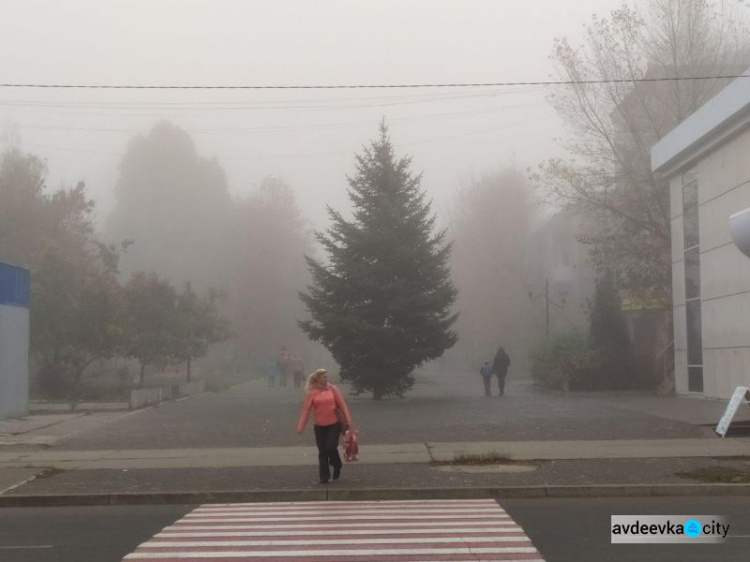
x=14, y=341
x=707, y=162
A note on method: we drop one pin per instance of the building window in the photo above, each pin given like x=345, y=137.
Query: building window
x=692, y=274
x=691, y=233
x=694, y=338
x=690, y=213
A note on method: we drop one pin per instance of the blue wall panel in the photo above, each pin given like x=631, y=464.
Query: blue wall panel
x=15, y=285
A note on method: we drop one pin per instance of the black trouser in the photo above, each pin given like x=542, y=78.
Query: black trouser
x=327, y=440
x=501, y=382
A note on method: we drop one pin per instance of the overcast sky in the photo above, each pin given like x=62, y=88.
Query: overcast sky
x=307, y=137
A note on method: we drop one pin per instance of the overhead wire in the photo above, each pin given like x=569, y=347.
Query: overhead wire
x=362, y=86
x=310, y=154
x=299, y=128
x=262, y=105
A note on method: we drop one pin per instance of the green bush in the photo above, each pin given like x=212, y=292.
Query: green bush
x=563, y=361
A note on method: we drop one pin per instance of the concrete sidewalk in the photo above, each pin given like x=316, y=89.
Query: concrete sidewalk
x=415, y=453
x=578, y=478
x=47, y=429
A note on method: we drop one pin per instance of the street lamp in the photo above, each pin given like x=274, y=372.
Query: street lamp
x=739, y=225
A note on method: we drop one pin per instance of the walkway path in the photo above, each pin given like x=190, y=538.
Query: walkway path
x=375, y=454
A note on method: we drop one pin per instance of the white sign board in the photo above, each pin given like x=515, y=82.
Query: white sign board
x=737, y=398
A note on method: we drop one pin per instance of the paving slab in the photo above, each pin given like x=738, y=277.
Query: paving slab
x=11, y=478
x=203, y=458
x=610, y=449
x=694, y=411
x=44, y=407
x=413, y=453
x=42, y=430
x=451, y=410
x=51, y=456
x=19, y=426
x=610, y=472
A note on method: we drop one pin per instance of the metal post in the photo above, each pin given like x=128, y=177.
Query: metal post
x=546, y=303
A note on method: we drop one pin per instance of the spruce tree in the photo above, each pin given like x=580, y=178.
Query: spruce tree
x=382, y=303
x=608, y=333
x=608, y=327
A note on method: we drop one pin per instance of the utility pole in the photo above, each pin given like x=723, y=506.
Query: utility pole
x=546, y=305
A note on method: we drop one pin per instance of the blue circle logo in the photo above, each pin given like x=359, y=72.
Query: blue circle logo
x=693, y=528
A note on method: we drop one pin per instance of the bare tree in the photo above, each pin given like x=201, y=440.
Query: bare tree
x=491, y=225
x=267, y=271
x=614, y=119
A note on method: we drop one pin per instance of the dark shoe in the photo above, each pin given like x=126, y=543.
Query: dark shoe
x=336, y=472
x=323, y=482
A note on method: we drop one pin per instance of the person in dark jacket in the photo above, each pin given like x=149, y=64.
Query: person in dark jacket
x=500, y=367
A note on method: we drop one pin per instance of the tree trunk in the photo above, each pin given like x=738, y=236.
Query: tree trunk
x=377, y=393
x=142, y=378
x=188, y=369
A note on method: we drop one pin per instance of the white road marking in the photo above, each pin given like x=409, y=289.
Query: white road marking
x=354, y=531
x=329, y=553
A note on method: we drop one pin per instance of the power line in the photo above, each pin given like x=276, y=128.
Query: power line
x=300, y=128
x=309, y=154
x=367, y=86
x=265, y=105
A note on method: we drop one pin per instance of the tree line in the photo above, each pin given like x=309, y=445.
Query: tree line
x=382, y=299
x=80, y=311
x=175, y=206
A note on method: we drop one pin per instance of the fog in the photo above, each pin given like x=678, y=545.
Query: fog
x=211, y=184
x=306, y=137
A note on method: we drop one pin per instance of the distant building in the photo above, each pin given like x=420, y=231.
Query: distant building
x=14, y=341
x=561, y=266
x=707, y=162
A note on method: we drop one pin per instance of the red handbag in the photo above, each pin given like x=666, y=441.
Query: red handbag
x=351, y=445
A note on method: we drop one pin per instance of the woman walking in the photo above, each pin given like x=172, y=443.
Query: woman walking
x=327, y=404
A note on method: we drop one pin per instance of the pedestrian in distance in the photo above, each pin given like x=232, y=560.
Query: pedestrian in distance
x=272, y=371
x=500, y=368
x=486, y=372
x=282, y=360
x=298, y=370
x=329, y=412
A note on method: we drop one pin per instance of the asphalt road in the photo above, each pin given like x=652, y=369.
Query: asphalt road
x=578, y=530
x=80, y=534
x=563, y=530
x=252, y=415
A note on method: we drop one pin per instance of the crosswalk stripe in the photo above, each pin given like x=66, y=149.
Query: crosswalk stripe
x=339, y=507
x=237, y=513
x=385, y=504
x=338, y=517
x=297, y=532
x=327, y=553
x=486, y=522
x=385, y=531
x=434, y=540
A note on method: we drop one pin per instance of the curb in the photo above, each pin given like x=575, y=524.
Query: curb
x=377, y=494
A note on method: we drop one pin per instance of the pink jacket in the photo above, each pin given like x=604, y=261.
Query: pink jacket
x=323, y=403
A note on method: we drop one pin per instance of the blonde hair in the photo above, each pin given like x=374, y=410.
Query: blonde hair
x=312, y=378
